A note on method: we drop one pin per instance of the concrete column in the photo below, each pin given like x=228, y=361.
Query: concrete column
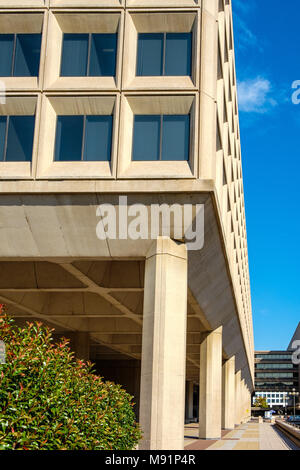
x=228, y=394
x=162, y=398
x=250, y=403
x=243, y=405
x=237, y=398
x=210, y=382
x=189, y=401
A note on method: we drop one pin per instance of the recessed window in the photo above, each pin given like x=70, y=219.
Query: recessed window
x=16, y=138
x=89, y=55
x=168, y=54
x=20, y=55
x=161, y=137
x=83, y=138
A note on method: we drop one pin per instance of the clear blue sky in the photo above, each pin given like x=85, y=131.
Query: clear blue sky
x=267, y=49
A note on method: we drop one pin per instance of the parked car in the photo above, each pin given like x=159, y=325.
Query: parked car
x=293, y=419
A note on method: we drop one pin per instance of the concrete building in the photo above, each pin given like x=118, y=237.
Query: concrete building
x=277, y=374
x=132, y=98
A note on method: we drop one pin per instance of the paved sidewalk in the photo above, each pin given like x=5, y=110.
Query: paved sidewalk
x=248, y=436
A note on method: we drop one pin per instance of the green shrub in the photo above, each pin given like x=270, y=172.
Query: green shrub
x=49, y=401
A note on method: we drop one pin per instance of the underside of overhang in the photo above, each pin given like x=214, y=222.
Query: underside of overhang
x=53, y=268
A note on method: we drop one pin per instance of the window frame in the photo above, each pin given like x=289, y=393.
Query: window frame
x=157, y=104
x=164, y=55
x=89, y=52
x=58, y=104
x=22, y=105
x=95, y=22
x=161, y=137
x=84, y=139
x=161, y=21
x=25, y=23
x=6, y=138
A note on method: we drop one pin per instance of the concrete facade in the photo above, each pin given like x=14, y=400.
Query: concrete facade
x=151, y=314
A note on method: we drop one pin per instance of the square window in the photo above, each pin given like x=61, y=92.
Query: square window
x=161, y=138
x=168, y=54
x=83, y=138
x=92, y=55
x=91, y=46
x=82, y=130
x=16, y=134
x=163, y=131
x=20, y=55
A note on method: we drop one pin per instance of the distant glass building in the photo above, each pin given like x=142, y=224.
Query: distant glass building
x=277, y=374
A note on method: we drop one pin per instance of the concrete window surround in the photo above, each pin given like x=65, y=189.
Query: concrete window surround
x=21, y=106
x=24, y=23
x=160, y=22
x=80, y=22
x=86, y=3
x=156, y=104
x=163, y=3
x=23, y=3
x=55, y=105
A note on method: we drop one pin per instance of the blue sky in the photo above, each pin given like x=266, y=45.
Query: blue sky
x=267, y=49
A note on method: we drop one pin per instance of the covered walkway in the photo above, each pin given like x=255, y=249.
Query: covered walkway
x=247, y=436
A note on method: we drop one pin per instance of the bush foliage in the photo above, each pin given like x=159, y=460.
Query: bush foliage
x=50, y=401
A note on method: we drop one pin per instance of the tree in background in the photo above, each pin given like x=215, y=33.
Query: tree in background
x=50, y=401
x=261, y=402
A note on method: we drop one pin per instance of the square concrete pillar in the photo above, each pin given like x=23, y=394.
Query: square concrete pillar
x=238, y=398
x=210, y=383
x=189, y=401
x=228, y=394
x=243, y=401
x=162, y=398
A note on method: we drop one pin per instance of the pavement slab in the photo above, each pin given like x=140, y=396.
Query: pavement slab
x=248, y=436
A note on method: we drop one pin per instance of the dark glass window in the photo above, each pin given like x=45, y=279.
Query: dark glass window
x=16, y=138
x=168, y=54
x=6, y=54
x=74, y=55
x=68, y=144
x=92, y=55
x=83, y=138
x=176, y=137
x=20, y=55
x=158, y=137
x=146, y=141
